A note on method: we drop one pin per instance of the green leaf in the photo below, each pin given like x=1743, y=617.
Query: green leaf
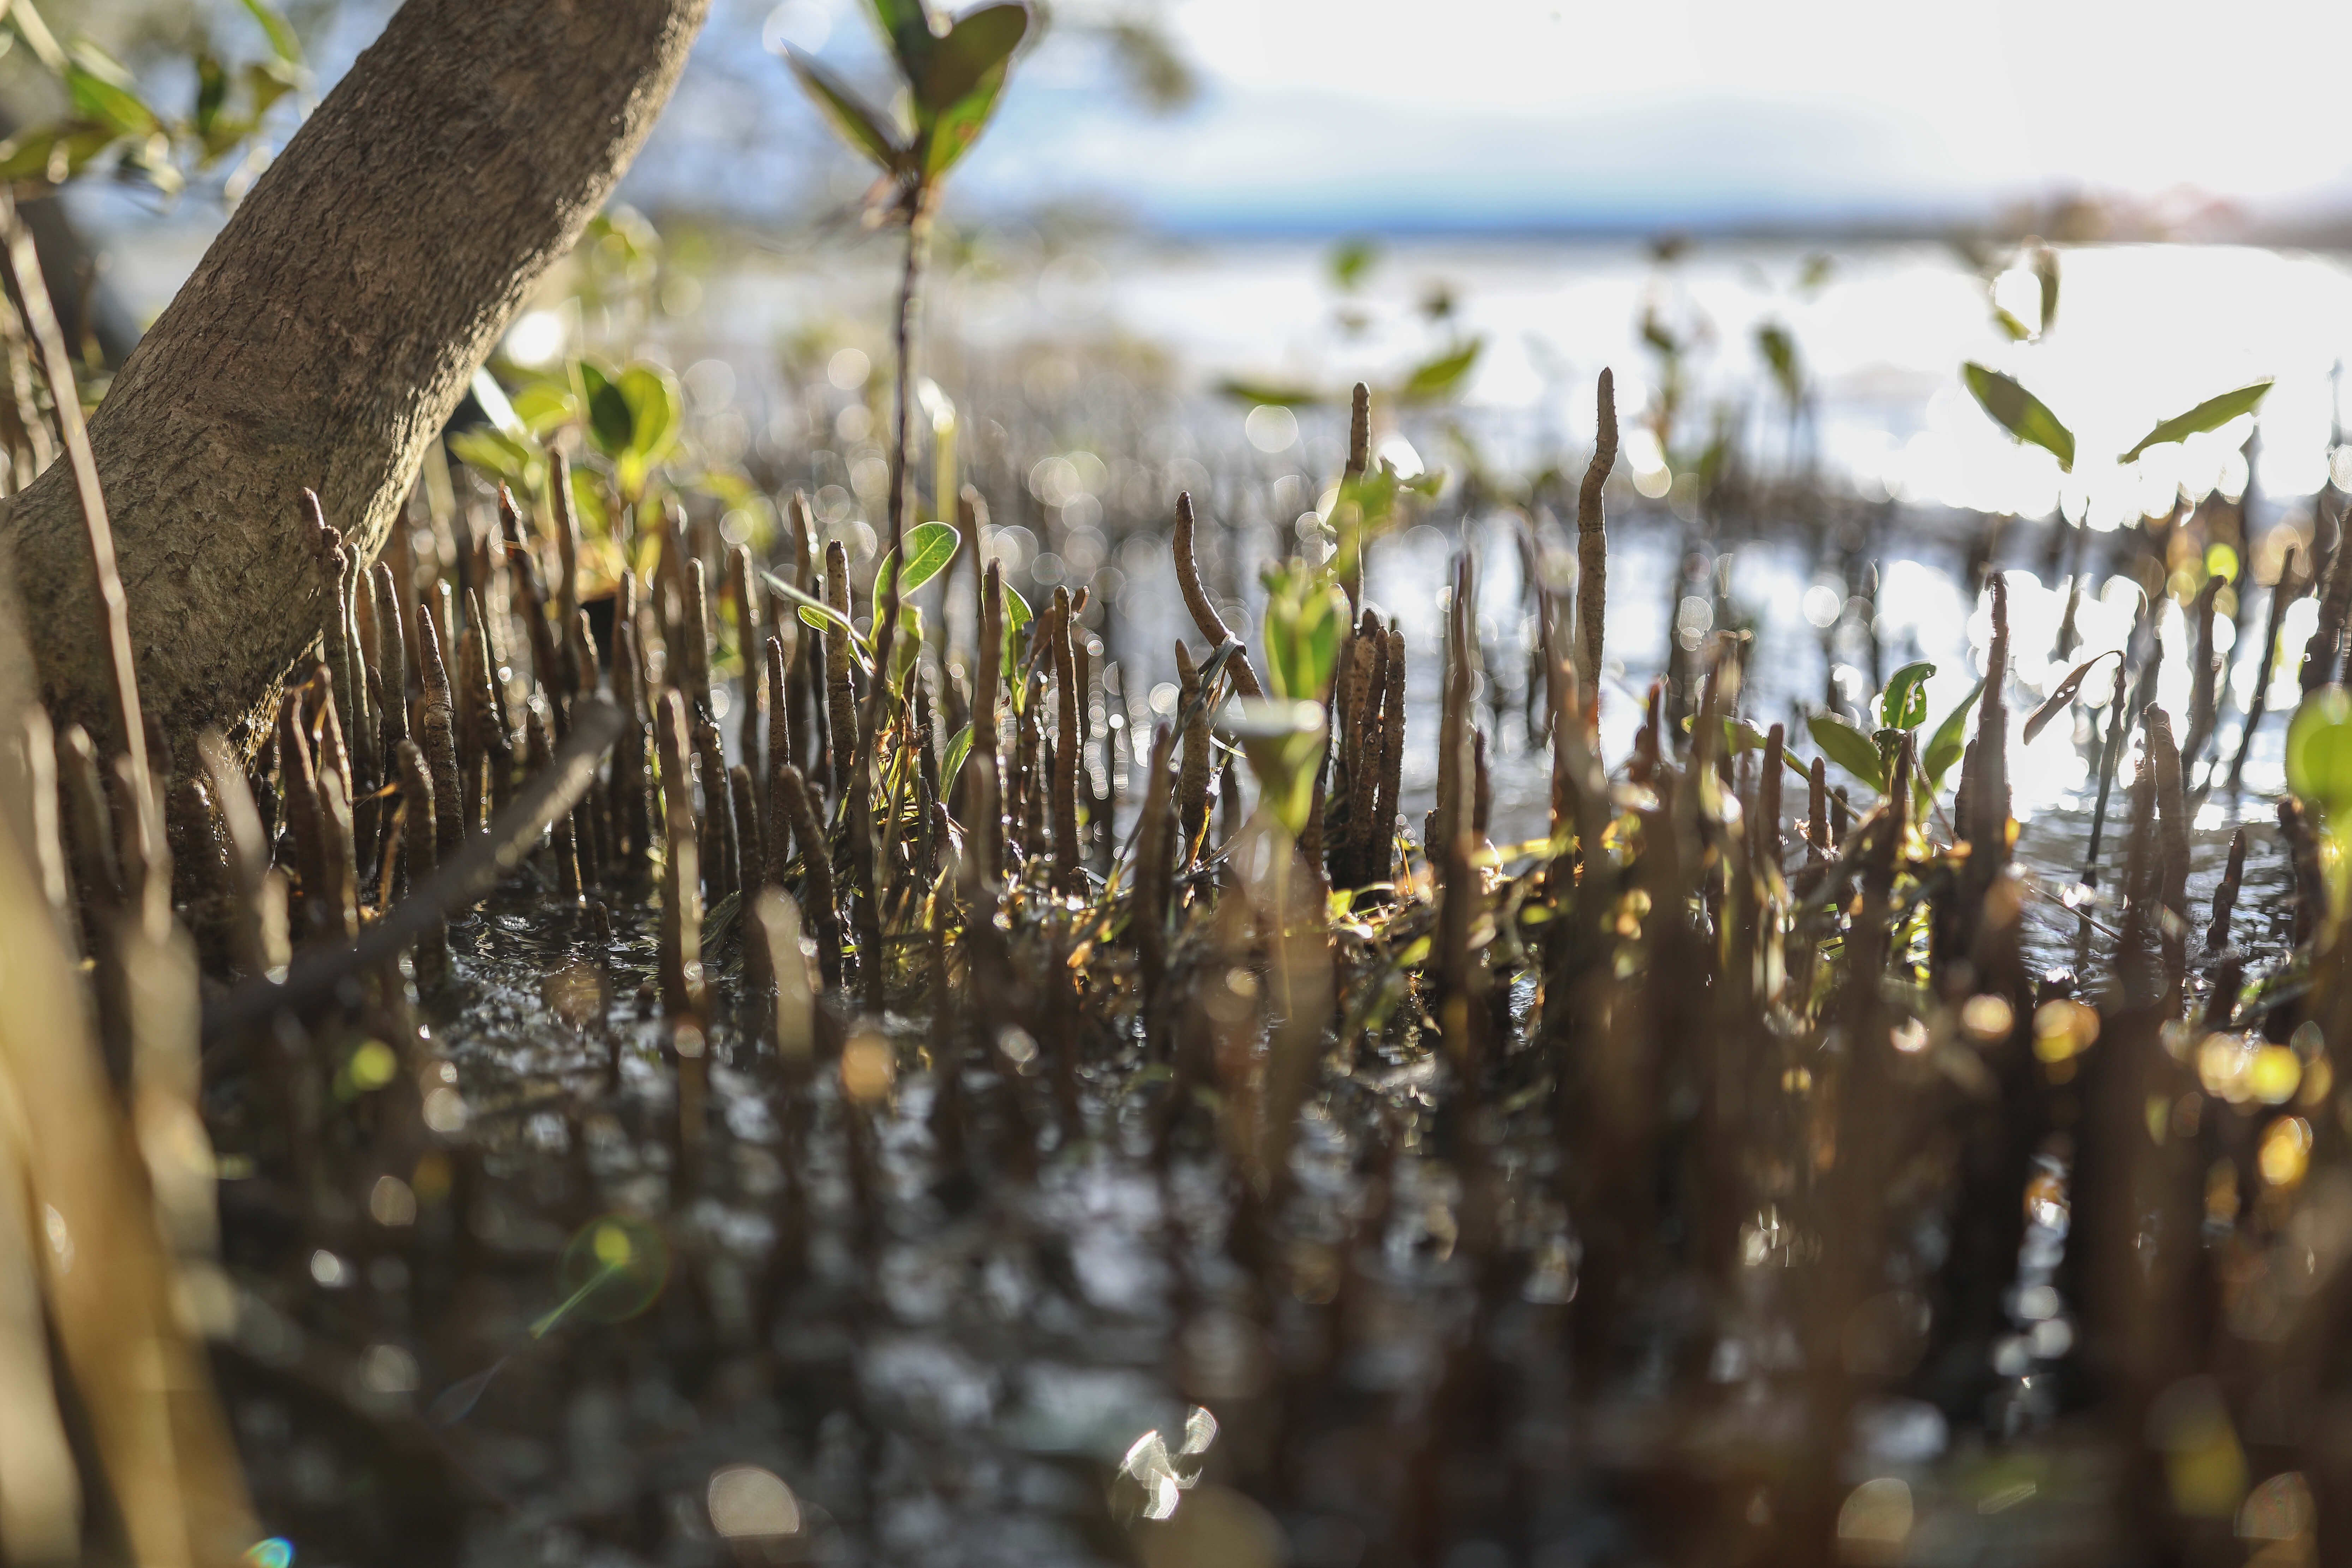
x=1273, y=394
x=282, y=41
x=952, y=133
x=53, y=152
x=2045, y=272
x=657, y=411
x=818, y=616
x=863, y=128
x=499, y=456
x=1306, y=616
x=1282, y=740
x=908, y=26
x=950, y=69
x=268, y=81
x=2020, y=413
x=907, y=645
x=212, y=93
x=611, y=424
x=1950, y=741
x=1740, y=736
x=588, y=502
x=103, y=92
x=959, y=748
x=1849, y=748
x=1779, y=351
x=2210, y=414
x=1440, y=377
x=1903, y=704
x=929, y=547
x=2319, y=755
x=546, y=403
x=1350, y=260
x=2063, y=695
x=1016, y=616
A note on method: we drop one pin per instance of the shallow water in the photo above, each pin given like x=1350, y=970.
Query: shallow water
x=945, y=1372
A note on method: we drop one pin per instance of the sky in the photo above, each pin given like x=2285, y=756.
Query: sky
x=1333, y=116
x=1318, y=114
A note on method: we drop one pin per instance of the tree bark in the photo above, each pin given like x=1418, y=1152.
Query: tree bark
x=326, y=337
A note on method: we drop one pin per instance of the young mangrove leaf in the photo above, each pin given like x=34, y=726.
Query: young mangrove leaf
x=494, y=453
x=1740, y=736
x=2210, y=414
x=1442, y=377
x=2319, y=755
x=1903, y=704
x=1305, y=616
x=1349, y=261
x=2020, y=413
x=959, y=748
x=611, y=424
x=929, y=547
x=1271, y=395
x=1779, y=348
x=1016, y=619
x=1951, y=742
x=818, y=616
x=907, y=646
x=545, y=405
x=864, y=128
x=2063, y=694
x=103, y=92
x=1849, y=748
x=656, y=415
x=956, y=80
x=1282, y=740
